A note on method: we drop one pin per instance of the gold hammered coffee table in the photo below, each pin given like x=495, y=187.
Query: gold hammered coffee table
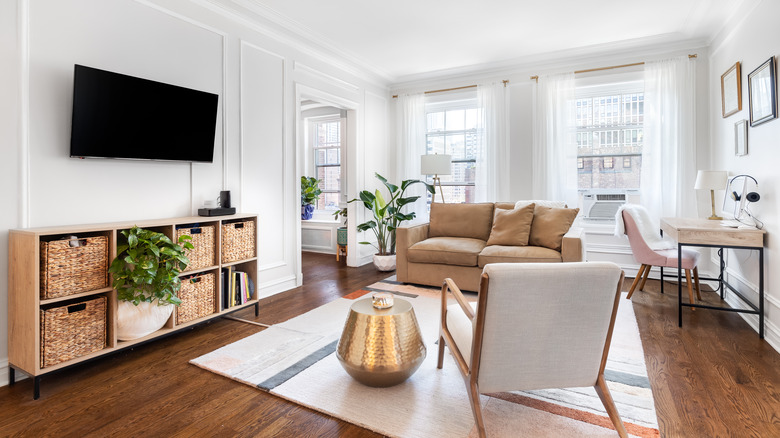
x=381, y=347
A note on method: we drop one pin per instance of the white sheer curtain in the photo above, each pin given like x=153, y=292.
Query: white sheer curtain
x=410, y=111
x=669, y=152
x=492, y=161
x=555, y=141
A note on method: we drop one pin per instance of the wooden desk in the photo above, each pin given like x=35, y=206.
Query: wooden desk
x=711, y=234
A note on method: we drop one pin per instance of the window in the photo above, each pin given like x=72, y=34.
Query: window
x=452, y=128
x=610, y=127
x=326, y=144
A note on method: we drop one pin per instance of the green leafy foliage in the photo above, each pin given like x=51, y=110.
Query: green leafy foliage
x=147, y=267
x=310, y=190
x=387, y=213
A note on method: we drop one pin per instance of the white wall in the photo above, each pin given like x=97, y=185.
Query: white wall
x=751, y=40
x=190, y=43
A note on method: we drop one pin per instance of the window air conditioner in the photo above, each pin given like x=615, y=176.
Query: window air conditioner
x=602, y=206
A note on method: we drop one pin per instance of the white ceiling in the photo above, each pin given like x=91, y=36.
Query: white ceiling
x=401, y=39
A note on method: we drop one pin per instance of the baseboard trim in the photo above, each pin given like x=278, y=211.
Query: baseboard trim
x=274, y=287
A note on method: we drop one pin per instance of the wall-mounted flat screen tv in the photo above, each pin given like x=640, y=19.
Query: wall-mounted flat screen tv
x=120, y=116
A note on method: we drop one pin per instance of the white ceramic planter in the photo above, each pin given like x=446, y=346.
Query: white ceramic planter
x=135, y=322
x=384, y=262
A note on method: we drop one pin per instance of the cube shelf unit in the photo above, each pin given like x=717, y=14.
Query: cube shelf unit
x=24, y=290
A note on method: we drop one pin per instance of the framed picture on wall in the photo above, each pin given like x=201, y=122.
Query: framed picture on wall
x=740, y=138
x=761, y=88
x=731, y=90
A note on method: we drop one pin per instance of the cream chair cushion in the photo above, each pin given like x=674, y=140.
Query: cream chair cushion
x=546, y=324
x=461, y=329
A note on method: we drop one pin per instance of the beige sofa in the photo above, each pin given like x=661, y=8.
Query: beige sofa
x=461, y=239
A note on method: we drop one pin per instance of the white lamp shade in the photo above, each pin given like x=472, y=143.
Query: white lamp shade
x=711, y=180
x=436, y=164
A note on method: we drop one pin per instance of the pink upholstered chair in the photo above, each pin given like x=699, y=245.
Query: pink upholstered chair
x=665, y=258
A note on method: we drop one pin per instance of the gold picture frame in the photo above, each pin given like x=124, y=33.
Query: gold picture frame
x=731, y=90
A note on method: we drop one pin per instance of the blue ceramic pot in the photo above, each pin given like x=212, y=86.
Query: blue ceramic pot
x=307, y=211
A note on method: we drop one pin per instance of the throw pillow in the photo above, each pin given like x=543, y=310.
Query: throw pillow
x=549, y=226
x=511, y=227
x=461, y=220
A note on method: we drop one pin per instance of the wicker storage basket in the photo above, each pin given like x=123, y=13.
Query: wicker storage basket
x=68, y=270
x=72, y=331
x=238, y=241
x=198, y=298
x=202, y=255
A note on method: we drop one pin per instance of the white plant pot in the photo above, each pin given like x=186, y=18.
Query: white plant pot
x=135, y=322
x=384, y=262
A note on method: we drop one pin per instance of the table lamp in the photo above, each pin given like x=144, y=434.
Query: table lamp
x=436, y=165
x=711, y=180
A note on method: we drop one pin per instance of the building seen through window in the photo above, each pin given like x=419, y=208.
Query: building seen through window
x=452, y=128
x=610, y=138
x=326, y=144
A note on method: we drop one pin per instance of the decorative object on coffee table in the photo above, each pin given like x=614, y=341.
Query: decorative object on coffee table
x=381, y=347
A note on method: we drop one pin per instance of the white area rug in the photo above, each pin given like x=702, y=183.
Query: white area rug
x=296, y=360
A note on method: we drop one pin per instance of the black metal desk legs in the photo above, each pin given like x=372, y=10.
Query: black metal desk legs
x=723, y=284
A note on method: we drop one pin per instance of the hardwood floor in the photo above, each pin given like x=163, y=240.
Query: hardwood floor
x=713, y=377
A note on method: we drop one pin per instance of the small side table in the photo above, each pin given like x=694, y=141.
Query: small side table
x=341, y=249
x=381, y=347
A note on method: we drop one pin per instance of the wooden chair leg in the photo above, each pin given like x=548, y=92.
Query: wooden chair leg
x=696, y=282
x=606, y=399
x=644, y=279
x=636, y=281
x=690, y=287
x=476, y=409
x=440, y=363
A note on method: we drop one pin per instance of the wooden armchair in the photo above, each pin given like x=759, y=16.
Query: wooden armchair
x=535, y=326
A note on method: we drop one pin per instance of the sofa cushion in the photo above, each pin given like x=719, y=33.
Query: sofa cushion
x=511, y=227
x=517, y=254
x=460, y=251
x=461, y=220
x=549, y=226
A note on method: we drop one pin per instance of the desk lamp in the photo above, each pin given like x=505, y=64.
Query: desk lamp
x=711, y=180
x=436, y=165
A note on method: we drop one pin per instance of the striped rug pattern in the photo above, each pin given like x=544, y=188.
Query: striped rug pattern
x=296, y=360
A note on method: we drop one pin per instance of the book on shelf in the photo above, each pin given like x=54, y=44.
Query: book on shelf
x=237, y=287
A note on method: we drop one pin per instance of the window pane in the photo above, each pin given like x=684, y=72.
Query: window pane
x=461, y=173
x=329, y=177
x=455, y=120
x=328, y=201
x=436, y=144
x=455, y=145
x=436, y=121
x=455, y=194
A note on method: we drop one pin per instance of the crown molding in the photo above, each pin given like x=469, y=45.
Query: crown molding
x=274, y=25
x=570, y=59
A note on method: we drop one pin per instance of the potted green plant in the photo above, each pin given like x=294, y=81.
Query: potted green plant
x=341, y=232
x=310, y=193
x=146, y=278
x=387, y=217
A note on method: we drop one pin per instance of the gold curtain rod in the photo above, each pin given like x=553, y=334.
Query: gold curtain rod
x=395, y=96
x=536, y=77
